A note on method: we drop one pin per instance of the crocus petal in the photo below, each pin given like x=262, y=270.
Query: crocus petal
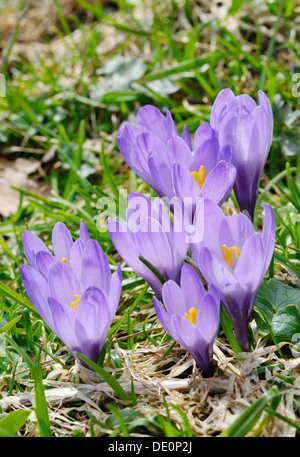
x=138, y=207
x=160, y=213
x=249, y=269
x=76, y=256
x=164, y=317
x=216, y=271
x=180, y=236
x=93, y=319
x=161, y=171
x=243, y=100
x=185, y=330
x=220, y=107
x=268, y=234
x=186, y=136
x=219, y=182
x=93, y=313
x=235, y=230
x=134, y=152
x=186, y=188
x=63, y=283
x=124, y=243
x=205, y=148
x=115, y=292
x=150, y=119
x=83, y=232
x=37, y=291
x=174, y=299
x=265, y=103
x=191, y=286
x=208, y=318
x=32, y=244
x=178, y=151
x=95, y=267
x=183, y=183
x=211, y=216
x=62, y=241
x=64, y=319
x=153, y=245
x=126, y=142
x=44, y=260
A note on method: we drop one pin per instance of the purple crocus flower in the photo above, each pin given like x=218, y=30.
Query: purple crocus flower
x=208, y=172
x=247, y=128
x=235, y=258
x=73, y=290
x=149, y=233
x=191, y=316
x=167, y=162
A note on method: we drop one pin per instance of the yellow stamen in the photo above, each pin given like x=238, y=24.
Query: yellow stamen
x=75, y=302
x=227, y=254
x=64, y=260
x=200, y=176
x=192, y=316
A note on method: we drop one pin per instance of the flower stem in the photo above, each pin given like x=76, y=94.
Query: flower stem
x=226, y=325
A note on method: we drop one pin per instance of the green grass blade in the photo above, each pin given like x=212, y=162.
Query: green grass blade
x=77, y=160
x=10, y=324
x=2, y=85
x=13, y=40
x=154, y=270
x=41, y=408
x=8, y=292
x=244, y=423
x=10, y=424
x=111, y=381
x=227, y=327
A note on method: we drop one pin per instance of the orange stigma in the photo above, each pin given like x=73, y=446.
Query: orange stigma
x=227, y=254
x=199, y=176
x=192, y=316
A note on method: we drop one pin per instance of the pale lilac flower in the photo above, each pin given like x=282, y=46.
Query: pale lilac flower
x=73, y=290
x=191, y=316
x=168, y=163
x=235, y=258
x=149, y=233
x=247, y=128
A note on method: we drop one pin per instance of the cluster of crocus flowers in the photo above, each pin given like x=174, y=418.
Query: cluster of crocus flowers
x=73, y=290
x=229, y=151
x=235, y=258
x=169, y=164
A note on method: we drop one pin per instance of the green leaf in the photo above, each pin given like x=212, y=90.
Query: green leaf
x=227, y=327
x=286, y=324
x=7, y=292
x=10, y=324
x=111, y=381
x=279, y=305
x=244, y=423
x=2, y=85
x=154, y=270
x=10, y=424
x=41, y=408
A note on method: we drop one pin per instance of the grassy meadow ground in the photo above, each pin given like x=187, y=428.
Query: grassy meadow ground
x=75, y=71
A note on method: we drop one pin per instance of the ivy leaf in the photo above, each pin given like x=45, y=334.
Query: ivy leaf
x=286, y=324
x=278, y=309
